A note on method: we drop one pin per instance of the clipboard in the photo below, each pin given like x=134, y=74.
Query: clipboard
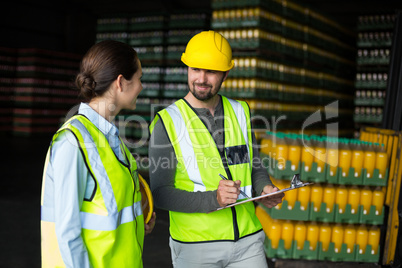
x=294, y=184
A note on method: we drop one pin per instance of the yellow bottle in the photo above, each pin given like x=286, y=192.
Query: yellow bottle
x=294, y=153
x=361, y=238
x=275, y=232
x=312, y=234
x=279, y=184
x=266, y=143
x=320, y=154
x=307, y=153
x=378, y=200
x=357, y=159
x=287, y=233
x=354, y=199
x=366, y=196
x=374, y=239
x=290, y=197
x=303, y=196
x=349, y=237
x=381, y=162
x=329, y=197
x=300, y=234
x=316, y=196
x=332, y=156
x=281, y=150
x=369, y=162
x=341, y=198
x=264, y=218
x=325, y=236
x=345, y=157
x=337, y=237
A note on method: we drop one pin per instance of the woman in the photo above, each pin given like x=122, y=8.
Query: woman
x=91, y=200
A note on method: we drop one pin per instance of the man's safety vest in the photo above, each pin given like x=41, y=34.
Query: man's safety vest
x=199, y=165
x=112, y=221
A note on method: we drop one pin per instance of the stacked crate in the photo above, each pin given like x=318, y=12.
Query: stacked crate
x=8, y=65
x=373, y=57
x=43, y=90
x=342, y=212
x=37, y=89
x=159, y=40
x=289, y=59
x=182, y=26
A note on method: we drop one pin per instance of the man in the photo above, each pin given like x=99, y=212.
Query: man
x=193, y=142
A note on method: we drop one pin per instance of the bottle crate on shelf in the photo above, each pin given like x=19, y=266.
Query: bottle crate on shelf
x=324, y=213
x=287, y=239
x=149, y=38
x=189, y=19
x=147, y=22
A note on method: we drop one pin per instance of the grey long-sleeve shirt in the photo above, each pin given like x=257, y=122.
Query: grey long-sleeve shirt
x=163, y=167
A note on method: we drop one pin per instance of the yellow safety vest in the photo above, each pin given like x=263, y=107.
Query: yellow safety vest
x=112, y=222
x=199, y=166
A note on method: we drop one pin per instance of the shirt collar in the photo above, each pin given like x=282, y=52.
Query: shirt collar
x=99, y=121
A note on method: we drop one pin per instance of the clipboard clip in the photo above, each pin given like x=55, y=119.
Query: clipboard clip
x=295, y=182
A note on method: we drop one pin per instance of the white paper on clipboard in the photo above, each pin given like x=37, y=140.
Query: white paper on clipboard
x=266, y=195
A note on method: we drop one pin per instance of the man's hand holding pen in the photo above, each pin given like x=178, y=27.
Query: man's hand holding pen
x=228, y=191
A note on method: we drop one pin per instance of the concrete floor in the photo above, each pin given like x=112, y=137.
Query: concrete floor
x=22, y=166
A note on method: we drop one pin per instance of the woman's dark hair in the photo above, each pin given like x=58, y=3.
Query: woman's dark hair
x=102, y=64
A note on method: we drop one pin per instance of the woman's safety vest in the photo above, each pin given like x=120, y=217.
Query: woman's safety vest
x=199, y=165
x=112, y=221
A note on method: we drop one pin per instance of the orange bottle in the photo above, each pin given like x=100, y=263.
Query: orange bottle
x=354, y=199
x=294, y=153
x=325, y=236
x=275, y=232
x=280, y=149
x=266, y=143
x=357, y=158
x=337, y=237
x=332, y=156
x=366, y=196
x=361, y=238
x=381, y=162
x=369, y=161
x=345, y=157
x=303, y=196
x=349, y=237
x=287, y=233
x=329, y=197
x=316, y=196
x=307, y=153
x=341, y=198
x=290, y=196
x=374, y=239
x=378, y=200
x=312, y=234
x=320, y=154
x=300, y=234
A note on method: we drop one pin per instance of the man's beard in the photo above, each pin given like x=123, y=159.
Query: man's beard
x=208, y=95
x=201, y=97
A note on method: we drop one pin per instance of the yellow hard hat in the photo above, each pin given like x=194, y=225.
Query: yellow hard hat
x=208, y=50
x=147, y=202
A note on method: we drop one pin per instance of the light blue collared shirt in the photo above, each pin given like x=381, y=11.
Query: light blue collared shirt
x=73, y=183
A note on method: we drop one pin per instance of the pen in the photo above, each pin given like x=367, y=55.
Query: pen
x=243, y=193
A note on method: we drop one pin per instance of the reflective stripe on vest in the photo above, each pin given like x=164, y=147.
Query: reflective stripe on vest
x=188, y=154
